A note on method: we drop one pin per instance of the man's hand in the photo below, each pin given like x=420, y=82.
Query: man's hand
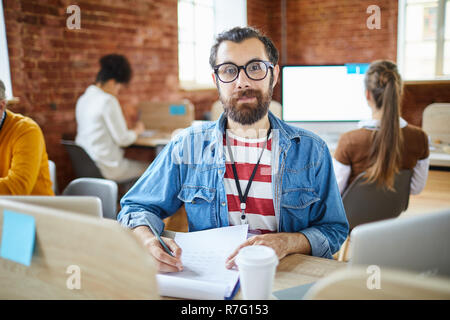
x=282, y=243
x=165, y=262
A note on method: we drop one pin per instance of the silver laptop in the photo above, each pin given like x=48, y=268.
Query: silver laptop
x=419, y=244
x=88, y=205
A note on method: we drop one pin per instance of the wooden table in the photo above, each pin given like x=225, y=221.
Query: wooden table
x=159, y=138
x=298, y=269
x=147, y=148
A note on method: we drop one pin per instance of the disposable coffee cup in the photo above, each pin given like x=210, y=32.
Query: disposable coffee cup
x=257, y=265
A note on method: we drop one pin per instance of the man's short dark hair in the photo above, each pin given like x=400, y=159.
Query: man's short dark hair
x=114, y=66
x=239, y=34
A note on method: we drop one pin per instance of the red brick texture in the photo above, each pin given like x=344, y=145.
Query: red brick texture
x=417, y=97
x=336, y=32
x=51, y=66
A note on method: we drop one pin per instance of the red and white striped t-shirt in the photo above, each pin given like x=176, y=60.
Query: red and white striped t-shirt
x=259, y=210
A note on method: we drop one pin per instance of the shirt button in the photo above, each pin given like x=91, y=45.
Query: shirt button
x=220, y=171
x=223, y=204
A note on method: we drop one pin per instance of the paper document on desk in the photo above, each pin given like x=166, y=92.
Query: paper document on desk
x=147, y=133
x=204, y=275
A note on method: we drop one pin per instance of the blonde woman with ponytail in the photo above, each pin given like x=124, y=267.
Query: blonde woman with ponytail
x=386, y=144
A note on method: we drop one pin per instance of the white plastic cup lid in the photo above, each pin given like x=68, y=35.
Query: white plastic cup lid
x=256, y=256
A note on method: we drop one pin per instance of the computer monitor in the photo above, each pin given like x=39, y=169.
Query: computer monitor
x=325, y=99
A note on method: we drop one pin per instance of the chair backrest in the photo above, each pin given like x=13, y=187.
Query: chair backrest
x=104, y=258
x=106, y=190
x=436, y=118
x=217, y=108
x=166, y=116
x=359, y=283
x=52, y=169
x=366, y=202
x=91, y=206
x=82, y=163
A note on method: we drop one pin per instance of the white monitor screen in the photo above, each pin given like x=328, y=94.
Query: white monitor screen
x=324, y=93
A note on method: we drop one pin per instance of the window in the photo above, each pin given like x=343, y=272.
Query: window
x=424, y=39
x=4, y=60
x=199, y=21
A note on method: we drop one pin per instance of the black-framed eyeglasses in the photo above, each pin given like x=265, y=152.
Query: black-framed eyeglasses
x=254, y=69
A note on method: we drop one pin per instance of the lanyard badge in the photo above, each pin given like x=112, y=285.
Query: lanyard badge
x=243, y=197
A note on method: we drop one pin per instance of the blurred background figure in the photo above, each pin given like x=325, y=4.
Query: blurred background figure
x=23, y=155
x=386, y=144
x=101, y=127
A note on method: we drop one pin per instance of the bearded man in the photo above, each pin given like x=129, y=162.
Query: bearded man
x=248, y=167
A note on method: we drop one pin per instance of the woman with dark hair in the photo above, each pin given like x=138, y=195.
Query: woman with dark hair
x=386, y=144
x=101, y=127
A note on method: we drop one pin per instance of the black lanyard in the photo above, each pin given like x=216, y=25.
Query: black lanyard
x=243, y=198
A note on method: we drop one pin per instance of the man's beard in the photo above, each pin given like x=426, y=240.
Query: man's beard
x=247, y=113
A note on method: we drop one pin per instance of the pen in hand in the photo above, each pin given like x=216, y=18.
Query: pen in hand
x=161, y=241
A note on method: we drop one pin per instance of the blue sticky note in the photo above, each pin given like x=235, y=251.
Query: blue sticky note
x=177, y=110
x=18, y=235
x=357, y=68
x=363, y=68
x=351, y=68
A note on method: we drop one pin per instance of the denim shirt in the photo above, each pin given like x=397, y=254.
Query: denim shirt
x=190, y=170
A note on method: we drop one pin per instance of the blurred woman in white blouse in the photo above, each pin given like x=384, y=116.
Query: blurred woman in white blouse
x=101, y=127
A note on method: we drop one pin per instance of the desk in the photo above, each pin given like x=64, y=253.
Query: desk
x=157, y=139
x=298, y=269
x=154, y=137
x=295, y=270
x=439, y=159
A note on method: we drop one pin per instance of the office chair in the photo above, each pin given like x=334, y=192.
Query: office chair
x=52, y=170
x=367, y=202
x=82, y=163
x=105, y=189
x=85, y=167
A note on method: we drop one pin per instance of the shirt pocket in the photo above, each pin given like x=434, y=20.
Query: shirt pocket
x=299, y=198
x=295, y=207
x=200, y=206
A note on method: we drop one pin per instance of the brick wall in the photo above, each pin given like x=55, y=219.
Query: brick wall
x=335, y=32
x=51, y=66
x=417, y=96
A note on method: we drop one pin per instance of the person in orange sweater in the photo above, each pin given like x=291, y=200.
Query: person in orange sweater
x=23, y=156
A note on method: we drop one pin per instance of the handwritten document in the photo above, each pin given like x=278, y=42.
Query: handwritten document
x=203, y=255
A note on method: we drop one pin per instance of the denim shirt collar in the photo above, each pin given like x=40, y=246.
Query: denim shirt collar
x=285, y=135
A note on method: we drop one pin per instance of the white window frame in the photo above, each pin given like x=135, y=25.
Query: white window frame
x=5, y=74
x=224, y=13
x=440, y=38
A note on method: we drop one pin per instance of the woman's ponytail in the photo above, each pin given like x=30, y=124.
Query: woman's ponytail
x=384, y=83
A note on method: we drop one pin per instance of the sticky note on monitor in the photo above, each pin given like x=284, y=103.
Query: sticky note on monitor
x=18, y=236
x=357, y=68
x=177, y=110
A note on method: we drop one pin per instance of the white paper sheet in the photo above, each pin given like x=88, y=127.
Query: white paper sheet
x=203, y=255
x=147, y=133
